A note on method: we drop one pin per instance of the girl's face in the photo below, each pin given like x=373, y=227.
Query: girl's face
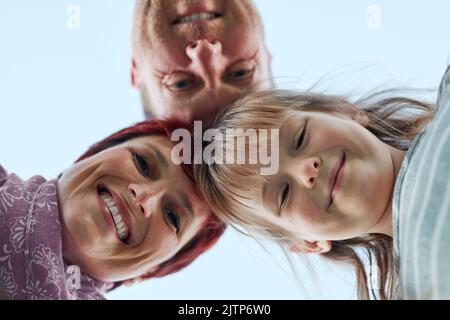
x=335, y=178
x=127, y=209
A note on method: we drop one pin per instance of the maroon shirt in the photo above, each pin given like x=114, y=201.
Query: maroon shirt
x=31, y=261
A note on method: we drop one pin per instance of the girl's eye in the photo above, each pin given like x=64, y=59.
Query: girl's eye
x=300, y=139
x=141, y=164
x=284, y=195
x=172, y=218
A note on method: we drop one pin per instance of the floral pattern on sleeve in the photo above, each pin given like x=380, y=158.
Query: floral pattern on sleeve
x=31, y=263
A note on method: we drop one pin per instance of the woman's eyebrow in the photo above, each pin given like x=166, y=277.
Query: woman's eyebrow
x=162, y=161
x=187, y=204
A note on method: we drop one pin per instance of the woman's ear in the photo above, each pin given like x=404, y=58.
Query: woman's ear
x=305, y=246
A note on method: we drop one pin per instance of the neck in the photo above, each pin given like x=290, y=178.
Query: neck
x=384, y=225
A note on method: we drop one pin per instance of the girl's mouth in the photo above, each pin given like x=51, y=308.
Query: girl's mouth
x=335, y=179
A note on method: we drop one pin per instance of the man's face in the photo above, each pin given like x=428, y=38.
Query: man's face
x=193, y=58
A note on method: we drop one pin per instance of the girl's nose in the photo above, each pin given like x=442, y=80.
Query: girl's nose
x=309, y=171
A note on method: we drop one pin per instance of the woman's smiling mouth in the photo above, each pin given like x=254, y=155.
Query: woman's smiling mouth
x=118, y=216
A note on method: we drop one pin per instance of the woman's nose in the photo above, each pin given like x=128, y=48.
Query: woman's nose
x=206, y=57
x=309, y=171
x=145, y=199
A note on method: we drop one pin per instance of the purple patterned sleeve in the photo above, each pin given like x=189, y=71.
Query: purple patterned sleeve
x=31, y=261
x=3, y=175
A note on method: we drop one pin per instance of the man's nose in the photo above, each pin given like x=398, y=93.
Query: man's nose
x=206, y=58
x=309, y=171
x=145, y=199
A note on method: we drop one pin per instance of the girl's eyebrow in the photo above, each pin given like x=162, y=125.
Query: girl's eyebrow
x=283, y=129
x=268, y=201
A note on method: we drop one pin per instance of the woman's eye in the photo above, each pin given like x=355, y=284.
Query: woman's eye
x=300, y=139
x=173, y=218
x=284, y=195
x=141, y=164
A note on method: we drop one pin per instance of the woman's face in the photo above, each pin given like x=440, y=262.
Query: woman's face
x=335, y=178
x=127, y=209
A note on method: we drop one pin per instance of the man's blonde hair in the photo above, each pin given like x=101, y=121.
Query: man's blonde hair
x=139, y=38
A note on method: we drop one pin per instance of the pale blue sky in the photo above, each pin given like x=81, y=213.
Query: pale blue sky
x=62, y=90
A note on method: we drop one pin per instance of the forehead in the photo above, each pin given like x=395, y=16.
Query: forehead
x=160, y=146
x=294, y=116
x=159, y=141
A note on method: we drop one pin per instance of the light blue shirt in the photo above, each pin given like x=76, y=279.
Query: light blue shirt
x=421, y=209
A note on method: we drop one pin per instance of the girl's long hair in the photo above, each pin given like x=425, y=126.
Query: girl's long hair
x=394, y=119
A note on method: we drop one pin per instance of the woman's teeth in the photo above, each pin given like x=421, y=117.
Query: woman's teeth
x=197, y=16
x=117, y=217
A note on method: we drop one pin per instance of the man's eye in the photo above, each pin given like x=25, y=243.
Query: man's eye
x=240, y=74
x=172, y=218
x=180, y=81
x=241, y=70
x=300, y=139
x=284, y=195
x=182, y=85
x=142, y=164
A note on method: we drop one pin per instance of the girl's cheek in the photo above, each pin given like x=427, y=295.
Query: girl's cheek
x=307, y=212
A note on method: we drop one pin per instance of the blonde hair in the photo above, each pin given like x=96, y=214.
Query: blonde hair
x=139, y=37
x=233, y=190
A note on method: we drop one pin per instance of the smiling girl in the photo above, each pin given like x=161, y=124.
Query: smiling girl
x=351, y=175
